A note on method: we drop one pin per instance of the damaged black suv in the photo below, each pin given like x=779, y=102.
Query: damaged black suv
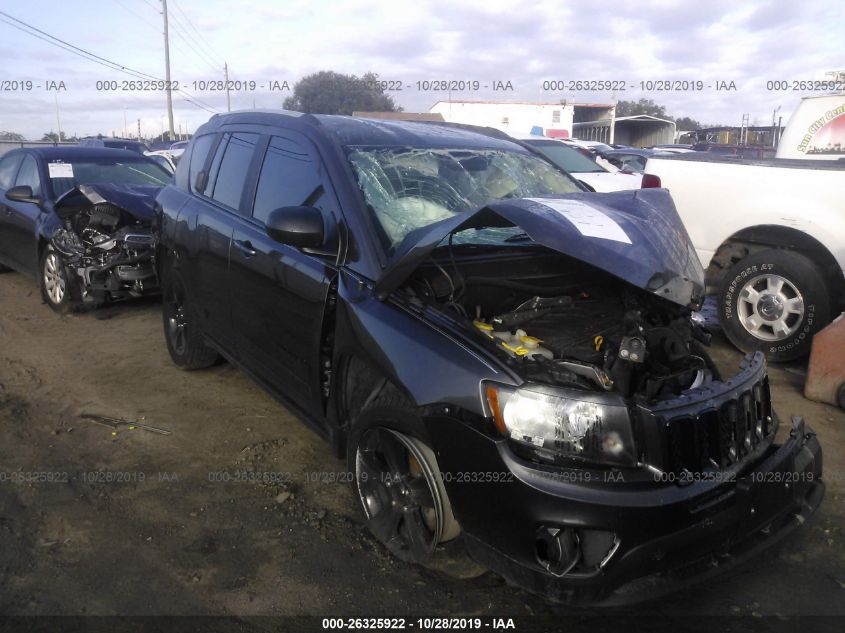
x=501, y=356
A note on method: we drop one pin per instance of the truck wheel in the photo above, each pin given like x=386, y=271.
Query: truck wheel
x=398, y=482
x=58, y=289
x=774, y=301
x=185, y=341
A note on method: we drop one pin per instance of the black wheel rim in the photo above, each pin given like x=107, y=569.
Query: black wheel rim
x=177, y=321
x=397, y=498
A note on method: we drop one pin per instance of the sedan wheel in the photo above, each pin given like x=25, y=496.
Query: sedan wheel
x=54, y=280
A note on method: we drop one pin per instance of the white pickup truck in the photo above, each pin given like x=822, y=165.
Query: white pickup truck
x=770, y=233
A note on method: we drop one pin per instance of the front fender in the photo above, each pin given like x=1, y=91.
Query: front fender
x=429, y=364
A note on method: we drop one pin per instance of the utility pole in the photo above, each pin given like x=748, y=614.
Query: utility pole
x=226, y=75
x=139, y=129
x=58, y=120
x=167, y=70
x=125, y=124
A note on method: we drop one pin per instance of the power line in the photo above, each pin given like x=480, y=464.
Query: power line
x=200, y=35
x=157, y=29
x=77, y=48
x=182, y=33
x=92, y=57
x=108, y=64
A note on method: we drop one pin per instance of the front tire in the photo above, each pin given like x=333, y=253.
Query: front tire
x=398, y=481
x=774, y=301
x=58, y=289
x=185, y=342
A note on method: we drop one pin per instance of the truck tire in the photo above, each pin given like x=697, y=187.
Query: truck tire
x=774, y=301
x=4, y=269
x=59, y=290
x=185, y=342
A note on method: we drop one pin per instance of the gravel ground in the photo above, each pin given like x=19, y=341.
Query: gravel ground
x=130, y=522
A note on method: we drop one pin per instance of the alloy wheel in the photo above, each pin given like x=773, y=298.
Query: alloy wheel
x=770, y=307
x=54, y=280
x=399, y=493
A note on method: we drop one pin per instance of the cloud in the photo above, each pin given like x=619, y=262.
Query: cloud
x=421, y=40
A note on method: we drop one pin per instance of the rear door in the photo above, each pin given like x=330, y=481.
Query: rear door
x=8, y=170
x=210, y=215
x=21, y=222
x=279, y=292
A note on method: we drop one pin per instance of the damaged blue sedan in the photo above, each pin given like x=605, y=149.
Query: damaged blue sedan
x=500, y=356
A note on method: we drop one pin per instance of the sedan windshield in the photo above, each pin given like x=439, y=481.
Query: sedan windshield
x=65, y=175
x=408, y=188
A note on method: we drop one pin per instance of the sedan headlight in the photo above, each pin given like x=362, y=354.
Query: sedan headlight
x=554, y=427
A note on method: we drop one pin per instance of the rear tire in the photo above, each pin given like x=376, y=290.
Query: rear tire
x=59, y=290
x=398, y=481
x=4, y=269
x=185, y=342
x=774, y=301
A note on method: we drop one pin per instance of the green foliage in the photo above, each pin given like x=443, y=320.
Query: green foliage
x=328, y=92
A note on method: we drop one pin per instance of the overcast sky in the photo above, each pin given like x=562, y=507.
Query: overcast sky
x=485, y=40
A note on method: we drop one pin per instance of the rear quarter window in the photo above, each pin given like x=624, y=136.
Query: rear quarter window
x=199, y=154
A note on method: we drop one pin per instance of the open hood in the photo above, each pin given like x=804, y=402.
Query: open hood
x=137, y=200
x=636, y=236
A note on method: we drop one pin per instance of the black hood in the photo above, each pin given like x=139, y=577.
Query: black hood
x=137, y=200
x=636, y=236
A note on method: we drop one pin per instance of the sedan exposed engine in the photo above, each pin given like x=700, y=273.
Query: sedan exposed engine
x=108, y=247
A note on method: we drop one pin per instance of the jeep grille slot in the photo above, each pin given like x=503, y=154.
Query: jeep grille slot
x=722, y=435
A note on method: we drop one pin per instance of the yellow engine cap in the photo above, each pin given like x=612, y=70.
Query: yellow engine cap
x=482, y=326
x=519, y=351
x=530, y=340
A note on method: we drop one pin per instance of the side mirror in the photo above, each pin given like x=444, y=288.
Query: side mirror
x=296, y=226
x=21, y=193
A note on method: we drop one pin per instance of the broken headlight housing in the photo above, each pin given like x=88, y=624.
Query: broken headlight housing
x=555, y=426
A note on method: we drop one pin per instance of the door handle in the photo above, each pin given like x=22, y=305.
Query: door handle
x=245, y=247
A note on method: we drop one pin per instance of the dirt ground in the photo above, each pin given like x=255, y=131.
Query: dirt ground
x=186, y=529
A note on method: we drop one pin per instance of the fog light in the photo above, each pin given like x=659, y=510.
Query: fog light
x=557, y=549
x=564, y=550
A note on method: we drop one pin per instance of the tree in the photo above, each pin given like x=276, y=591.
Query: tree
x=11, y=136
x=686, y=124
x=643, y=106
x=53, y=137
x=328, y=92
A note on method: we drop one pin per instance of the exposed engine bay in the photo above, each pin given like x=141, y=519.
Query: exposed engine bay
x=107, y=246
x=561, y=321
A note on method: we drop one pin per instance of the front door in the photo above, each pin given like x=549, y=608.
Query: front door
x=279, y=292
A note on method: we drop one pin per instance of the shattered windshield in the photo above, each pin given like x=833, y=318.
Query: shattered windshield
x=408, y=188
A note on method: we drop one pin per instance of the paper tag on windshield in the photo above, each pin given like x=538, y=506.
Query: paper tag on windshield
x=60, y=170
x=589, y=221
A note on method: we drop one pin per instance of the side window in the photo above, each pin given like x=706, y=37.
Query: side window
x=199, y=153
x=8, y=167
x=288, y=178
x=231, y=177
x=28, y=175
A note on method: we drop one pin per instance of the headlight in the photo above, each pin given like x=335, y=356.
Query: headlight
x=553, y=426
